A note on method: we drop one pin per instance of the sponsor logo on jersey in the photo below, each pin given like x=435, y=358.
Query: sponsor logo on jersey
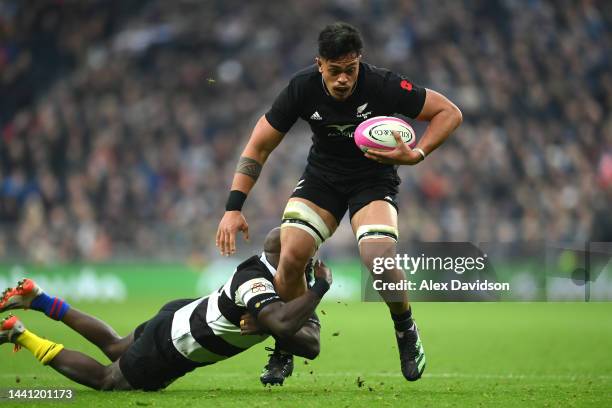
x=258, y=287
x=316, y=116
x=342, y=130
x=360, y=111
x=264, y=301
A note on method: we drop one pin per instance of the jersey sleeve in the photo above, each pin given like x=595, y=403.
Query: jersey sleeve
x=255, y=294
x=403, y=96
x=284, y=111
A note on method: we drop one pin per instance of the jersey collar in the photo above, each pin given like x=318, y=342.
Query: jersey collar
x=263, y=259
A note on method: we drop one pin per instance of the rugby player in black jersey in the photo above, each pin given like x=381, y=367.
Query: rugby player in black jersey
x=184, y=335
x=334, y=95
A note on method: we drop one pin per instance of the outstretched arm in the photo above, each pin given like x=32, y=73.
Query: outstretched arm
x=283, y=320
x=304, y=343
x=262, y=142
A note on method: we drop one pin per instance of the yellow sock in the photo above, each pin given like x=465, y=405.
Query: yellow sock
x=44, y=350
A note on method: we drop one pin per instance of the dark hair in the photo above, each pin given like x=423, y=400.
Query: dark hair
x=339, y=39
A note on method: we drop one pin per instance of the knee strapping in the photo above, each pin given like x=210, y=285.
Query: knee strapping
x=299, y=215
x=376, y=231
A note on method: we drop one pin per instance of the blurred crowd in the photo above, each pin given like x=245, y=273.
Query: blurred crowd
x=128, y=151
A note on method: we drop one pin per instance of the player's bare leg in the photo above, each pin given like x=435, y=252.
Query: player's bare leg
x=99, y=333
x=378, y=221
x=305, y=226
x=72, y=364
x=375, y=227
x=86, y=371
x=297, y=247
x=28, y=295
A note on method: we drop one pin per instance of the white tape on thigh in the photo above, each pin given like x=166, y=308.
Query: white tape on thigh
x=299, y=215
x=376, y=231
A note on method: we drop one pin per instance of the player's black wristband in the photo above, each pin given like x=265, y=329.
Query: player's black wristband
x=320, y=287
x=235, y=201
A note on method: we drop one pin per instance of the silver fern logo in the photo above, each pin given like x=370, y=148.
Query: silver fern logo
x=360, y=111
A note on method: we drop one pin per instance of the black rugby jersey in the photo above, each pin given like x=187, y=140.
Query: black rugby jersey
x=378, y=92
x=208, y=329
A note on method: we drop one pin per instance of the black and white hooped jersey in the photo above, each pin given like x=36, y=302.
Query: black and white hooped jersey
x=208, y=329
x=378, y=92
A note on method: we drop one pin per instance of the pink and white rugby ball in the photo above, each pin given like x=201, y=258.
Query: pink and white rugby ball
x=376, y=133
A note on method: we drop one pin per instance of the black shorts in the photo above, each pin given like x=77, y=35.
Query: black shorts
x=152, y=362
x=336, y=194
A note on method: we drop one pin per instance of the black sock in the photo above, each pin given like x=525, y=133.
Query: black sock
x=402, y=322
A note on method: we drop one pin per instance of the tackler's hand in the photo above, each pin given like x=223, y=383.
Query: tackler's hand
x=321, y=271
x=249, y=325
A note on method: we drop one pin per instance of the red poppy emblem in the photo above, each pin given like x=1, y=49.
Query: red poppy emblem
x=406, y=85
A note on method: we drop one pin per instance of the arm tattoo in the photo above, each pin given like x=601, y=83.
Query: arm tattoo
x=248, y=167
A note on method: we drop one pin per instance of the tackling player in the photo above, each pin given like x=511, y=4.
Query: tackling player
x=184, y=335
x=334, y=95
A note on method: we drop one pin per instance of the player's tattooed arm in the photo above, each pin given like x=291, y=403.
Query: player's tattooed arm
x=249, y=167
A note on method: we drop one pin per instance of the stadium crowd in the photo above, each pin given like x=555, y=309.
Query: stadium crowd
x=129, y=152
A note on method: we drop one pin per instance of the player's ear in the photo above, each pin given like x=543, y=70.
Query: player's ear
x=319, y=63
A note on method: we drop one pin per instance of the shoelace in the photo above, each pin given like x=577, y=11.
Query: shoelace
x=274, y=356
x=20, y=284
x=6, y=294
x=10, y=291
x=277, y=357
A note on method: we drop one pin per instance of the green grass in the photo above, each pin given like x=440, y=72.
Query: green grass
x=478, y=354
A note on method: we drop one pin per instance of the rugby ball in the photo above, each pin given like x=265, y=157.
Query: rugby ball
x=376, y=133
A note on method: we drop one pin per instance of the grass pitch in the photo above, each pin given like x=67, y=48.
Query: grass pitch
x=478, y=354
